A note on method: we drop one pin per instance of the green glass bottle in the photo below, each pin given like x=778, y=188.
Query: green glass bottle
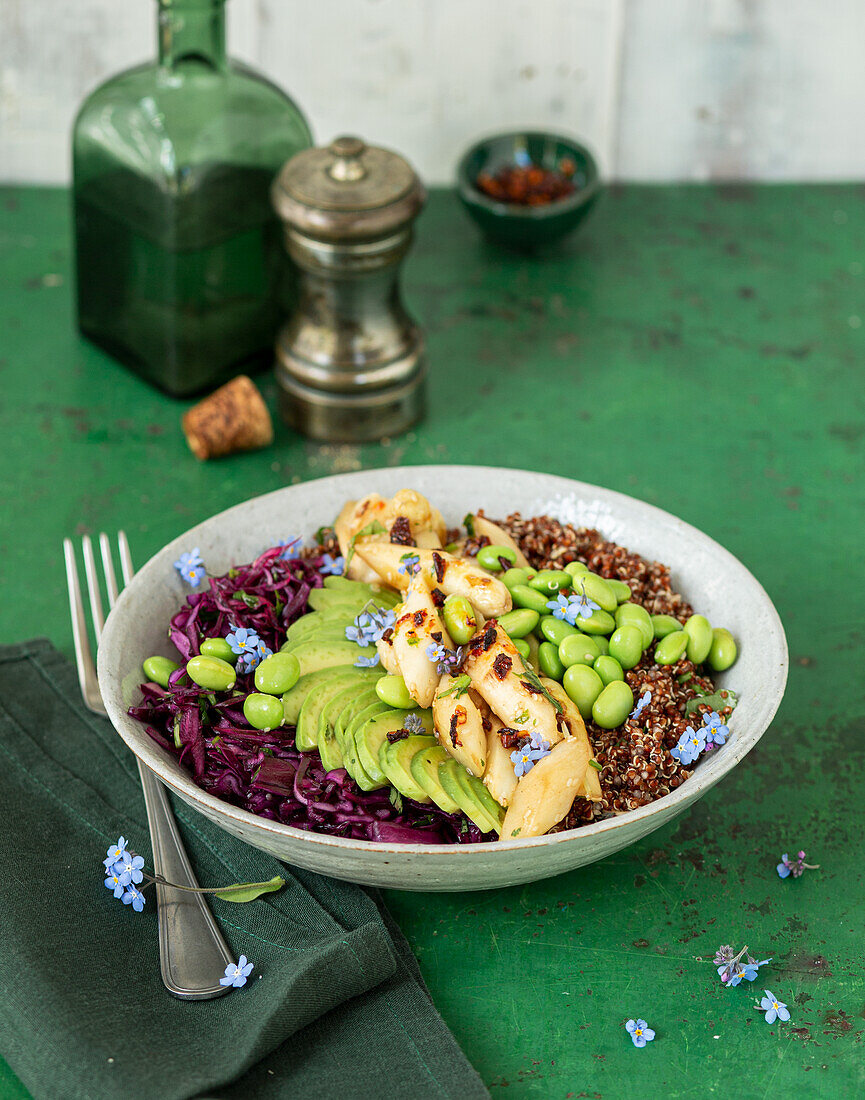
x=181, y=272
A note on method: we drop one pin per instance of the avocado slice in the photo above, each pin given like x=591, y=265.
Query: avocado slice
x=353, y=728
x=363, y=698
x=306, y=735
x=370, y=736
x=472, y=807
x=330, y=632
x=357, y=771
x=475, y=789
x=293, y=699
x=425, y=769
x=329, y=749
x=395, y=761
x=370, y=592
x=313, y=655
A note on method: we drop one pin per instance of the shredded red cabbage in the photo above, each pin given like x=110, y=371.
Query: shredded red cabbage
x=266, y=773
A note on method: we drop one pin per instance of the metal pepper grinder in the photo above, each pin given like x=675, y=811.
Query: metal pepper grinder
x=350, y=362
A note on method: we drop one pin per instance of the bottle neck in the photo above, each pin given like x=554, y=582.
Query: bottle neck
x=192, y=30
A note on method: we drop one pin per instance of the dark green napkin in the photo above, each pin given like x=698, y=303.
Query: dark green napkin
x=335, y=1006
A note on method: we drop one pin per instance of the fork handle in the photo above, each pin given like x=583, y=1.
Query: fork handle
x=192, y=952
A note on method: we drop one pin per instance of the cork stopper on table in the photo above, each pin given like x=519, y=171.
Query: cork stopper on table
x=232, y=418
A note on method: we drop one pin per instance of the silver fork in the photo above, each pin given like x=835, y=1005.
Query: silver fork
x=192, y=952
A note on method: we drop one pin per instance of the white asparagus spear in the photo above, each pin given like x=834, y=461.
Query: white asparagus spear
x=417, y=626
x=498, y=537
x=499, y=777
x=546, y=793
x=497, y=673
x=355, y=515
x=454, y=576
x=459, y=726
x=576, y=728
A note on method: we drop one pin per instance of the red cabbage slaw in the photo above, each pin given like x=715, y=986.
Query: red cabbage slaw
x=265, y=773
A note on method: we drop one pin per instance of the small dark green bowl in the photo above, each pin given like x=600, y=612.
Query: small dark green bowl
x=527, y=227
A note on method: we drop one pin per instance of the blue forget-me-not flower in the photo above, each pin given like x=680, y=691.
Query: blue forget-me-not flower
x=644, y=701
x=640, y=1032
x=191, y=567
x=774, y=1009
x=334, y=566
x=237, y=973
x=689, y=746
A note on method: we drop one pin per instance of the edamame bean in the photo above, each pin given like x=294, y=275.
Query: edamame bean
x=664, y=625
x=211, y=672
x=723, y=652
x=632, y=614
x=578, y=649
x=597, y=589
x=523, y=596
x=672, y=648
x=556, y=630
x=576, y=567
x=277, y=673
x=263, y=712
x=534, y=645
x=519, y=623
x=599, y=622
x=609, y=669
x=583, y=686
x=551, y=581
x=158, y=669
x=459, y=619
x=613, y=705
x=393, y=691
x=626, y=645
x=515, y=576
x=548, y=659
x=488, y=557
x=522, y=647
x=621, y=590
x=602, y=643
x=699, y=631
x=219, y=647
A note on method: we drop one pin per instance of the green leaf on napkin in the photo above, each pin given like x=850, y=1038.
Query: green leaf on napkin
x=249, y=891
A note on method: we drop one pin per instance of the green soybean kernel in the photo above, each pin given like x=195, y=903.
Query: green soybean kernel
x=550, y=662
x=613, y=705
x=219, y=647
x=578, y=649
x=556, y=630
x=626, y=645
x=551, y=581
x=519, y=623
x=277, y=674
x=664, y=625
x=672, y=648
x=393, y=691
x=621, y=590
x=459, y=618
x=263, y=712
x=632, y=614
x=575, y=568
x=158, y=669
x=609, y=669
x=211, y=673
x=523, y=596
x=597, y=589
x=523, y=648
x=602, y=643
x=516, y=575
x=583, y=686
x=699, y=631
x=599, y=622
x=723, y=652
x=488, y=557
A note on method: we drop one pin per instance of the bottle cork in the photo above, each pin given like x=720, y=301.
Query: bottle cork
x=233, y=418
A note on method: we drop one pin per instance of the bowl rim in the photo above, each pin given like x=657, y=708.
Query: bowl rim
x=176, y=778
x=471, y=195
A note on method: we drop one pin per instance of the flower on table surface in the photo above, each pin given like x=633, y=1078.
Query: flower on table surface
x=191, y=567
x=133, y=897
x=367, y=662
x=333, y=566
x=774, y=1009
x=115, y=853
x=409, y=564
x=448, y=662
x=290, y=548
x=237, y=973
x=640, y=1032
x=689, y=746
x=795, y=867
x=129, y=869
x=414, y=723
x=732, y=970
x=525, y=757
x=714, y=730
x=643, y=702
x=114, y=884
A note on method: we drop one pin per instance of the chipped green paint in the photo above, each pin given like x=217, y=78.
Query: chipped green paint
x=725, y=325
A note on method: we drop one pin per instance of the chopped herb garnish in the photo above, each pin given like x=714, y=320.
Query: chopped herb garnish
x=717, y=701
x=459, y=687
x=532, y=677
x=594, y=764
x=469, y=524
x=373, y=528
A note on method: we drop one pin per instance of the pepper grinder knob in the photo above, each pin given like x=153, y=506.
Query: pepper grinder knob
x=347, y=166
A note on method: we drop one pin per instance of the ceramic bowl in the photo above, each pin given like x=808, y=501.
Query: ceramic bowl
x=710, y=577
x=527, y=227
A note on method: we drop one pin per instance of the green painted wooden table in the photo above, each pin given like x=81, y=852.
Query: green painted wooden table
x=699, y=348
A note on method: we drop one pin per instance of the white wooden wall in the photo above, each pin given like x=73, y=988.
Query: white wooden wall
x=661, y=89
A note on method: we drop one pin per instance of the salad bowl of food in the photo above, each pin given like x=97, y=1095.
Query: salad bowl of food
x=442, y=677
